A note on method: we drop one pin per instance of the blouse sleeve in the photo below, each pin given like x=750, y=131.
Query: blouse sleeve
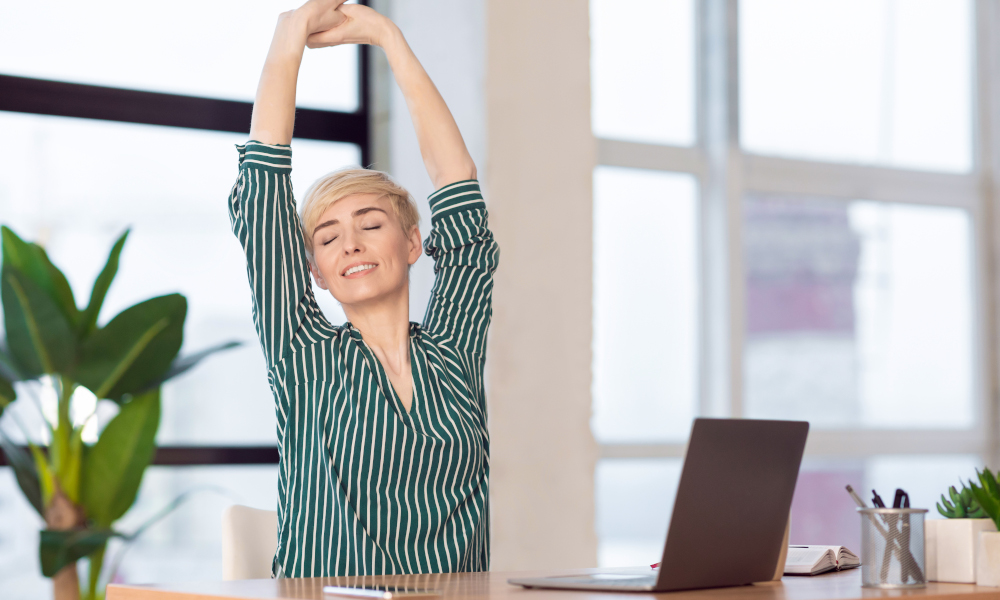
x=263, y=217
x=465, y=258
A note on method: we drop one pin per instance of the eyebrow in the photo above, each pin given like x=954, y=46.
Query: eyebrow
x=357, y=213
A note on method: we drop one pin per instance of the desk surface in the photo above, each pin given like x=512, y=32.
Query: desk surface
x=494, y=586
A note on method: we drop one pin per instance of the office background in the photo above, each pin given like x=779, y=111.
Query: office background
x=760, y=208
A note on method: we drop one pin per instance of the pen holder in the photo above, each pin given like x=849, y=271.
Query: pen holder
x=892, y=548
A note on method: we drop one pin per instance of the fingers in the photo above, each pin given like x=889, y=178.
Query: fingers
x=322, y=39
x=356, y=24
x=323, y=14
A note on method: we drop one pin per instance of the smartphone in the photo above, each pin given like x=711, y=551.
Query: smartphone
x=385, y=592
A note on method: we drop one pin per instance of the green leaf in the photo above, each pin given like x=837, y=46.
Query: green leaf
x=8, y=369
x=956, y=506
x=114, y=467
x=25, y=473
x=69, y=476
x=185, y=363
x=989, y=503
x=94, y=574
x=88, y=319
x=134, y=349
x=990, y=483
x=46, y=478
x=56, y=549
x=39, y=336
x=7, y=394
x=32, y=260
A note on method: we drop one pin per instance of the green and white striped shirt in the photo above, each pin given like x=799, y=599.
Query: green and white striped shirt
x=365, y=487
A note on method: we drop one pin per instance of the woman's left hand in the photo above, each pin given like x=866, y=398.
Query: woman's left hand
x=361, y=25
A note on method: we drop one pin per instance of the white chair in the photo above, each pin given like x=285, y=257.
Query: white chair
x=249, y=539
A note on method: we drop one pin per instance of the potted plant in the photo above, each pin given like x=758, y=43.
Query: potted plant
x=951, y=543
x=81, y=489
x=987, y=494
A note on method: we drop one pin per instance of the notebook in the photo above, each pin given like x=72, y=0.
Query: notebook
x=813, y=560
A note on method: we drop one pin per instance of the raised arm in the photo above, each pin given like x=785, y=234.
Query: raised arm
x=261, y=207
x=460, y=242
x=441, y=145
x=274, y=106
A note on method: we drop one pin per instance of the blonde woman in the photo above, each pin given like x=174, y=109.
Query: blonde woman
x=381, y=422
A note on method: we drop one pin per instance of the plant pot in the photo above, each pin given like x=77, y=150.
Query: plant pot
x=988, y=559
x=951, y=546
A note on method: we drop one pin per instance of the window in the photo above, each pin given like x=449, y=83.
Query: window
x=645, y=304
x=643, y=90
x=867, y=81
x=858, y=313
x=228, y=39
x=99, y=139
x=813, y=250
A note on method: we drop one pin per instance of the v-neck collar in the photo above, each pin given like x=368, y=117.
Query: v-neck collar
x=382, y=378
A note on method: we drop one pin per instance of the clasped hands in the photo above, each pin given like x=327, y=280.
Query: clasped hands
x=333, y=23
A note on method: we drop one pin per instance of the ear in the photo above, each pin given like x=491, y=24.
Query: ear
x=416, y=248
x=317, y=276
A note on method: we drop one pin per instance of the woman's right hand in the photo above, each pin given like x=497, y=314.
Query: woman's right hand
x=361, y=25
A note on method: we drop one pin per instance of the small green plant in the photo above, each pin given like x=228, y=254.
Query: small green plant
x=55, y=351
x=987, y=494
x=963, y=505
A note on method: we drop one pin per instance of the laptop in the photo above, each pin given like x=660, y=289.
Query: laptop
x=730, y=512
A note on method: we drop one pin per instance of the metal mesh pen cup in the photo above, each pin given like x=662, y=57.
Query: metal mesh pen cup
x=892, y=548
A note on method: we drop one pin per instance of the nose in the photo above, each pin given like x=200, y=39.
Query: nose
x=352, y=245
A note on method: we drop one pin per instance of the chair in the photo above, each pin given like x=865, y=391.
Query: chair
x=249, y=540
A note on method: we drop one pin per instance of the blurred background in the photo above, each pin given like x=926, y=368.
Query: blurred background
x=756, y=208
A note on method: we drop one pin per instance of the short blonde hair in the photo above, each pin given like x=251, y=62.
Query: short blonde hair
x=335, y=186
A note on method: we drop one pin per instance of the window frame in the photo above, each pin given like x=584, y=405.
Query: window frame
x=726, y=173
x=57, y=98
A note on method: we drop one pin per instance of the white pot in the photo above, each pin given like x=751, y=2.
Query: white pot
x=988, y=559
x=951, y=546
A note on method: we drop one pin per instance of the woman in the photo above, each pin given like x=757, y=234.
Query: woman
x=381, y=422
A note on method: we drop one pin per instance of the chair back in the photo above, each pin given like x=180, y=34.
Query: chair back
x=249, y=540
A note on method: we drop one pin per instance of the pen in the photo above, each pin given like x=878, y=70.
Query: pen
x=877, y=500
x=857, y=499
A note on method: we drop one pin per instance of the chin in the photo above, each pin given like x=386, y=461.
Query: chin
x=363, y=295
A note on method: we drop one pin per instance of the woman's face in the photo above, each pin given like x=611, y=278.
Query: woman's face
x=360, y=252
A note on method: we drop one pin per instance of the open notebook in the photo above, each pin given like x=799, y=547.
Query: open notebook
x=813, y=560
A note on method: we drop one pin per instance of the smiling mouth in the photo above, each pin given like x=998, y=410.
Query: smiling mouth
x=359, y=269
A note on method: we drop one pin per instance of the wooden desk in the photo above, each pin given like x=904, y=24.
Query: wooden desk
x=494, y=586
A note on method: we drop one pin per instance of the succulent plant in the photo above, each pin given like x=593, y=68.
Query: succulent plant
x=987, y=494
x=963, y=505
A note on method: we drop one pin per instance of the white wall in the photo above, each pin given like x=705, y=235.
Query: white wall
x=541, y=156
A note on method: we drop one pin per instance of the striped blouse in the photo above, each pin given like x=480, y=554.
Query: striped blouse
x=365, y=487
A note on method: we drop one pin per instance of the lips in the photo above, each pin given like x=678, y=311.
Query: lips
x=358, y=268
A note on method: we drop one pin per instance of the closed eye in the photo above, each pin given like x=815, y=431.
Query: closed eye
x=330, y=240
x=372, y=227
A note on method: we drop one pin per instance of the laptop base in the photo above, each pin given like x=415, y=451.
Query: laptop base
x=612, y=582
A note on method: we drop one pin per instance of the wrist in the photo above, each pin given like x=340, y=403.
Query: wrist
x=390, y=36
x=290, y=34
x=295, y=23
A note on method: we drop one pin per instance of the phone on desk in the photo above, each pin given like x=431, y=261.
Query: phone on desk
x=385, y=592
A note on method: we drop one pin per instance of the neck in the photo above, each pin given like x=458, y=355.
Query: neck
x=384, y=323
